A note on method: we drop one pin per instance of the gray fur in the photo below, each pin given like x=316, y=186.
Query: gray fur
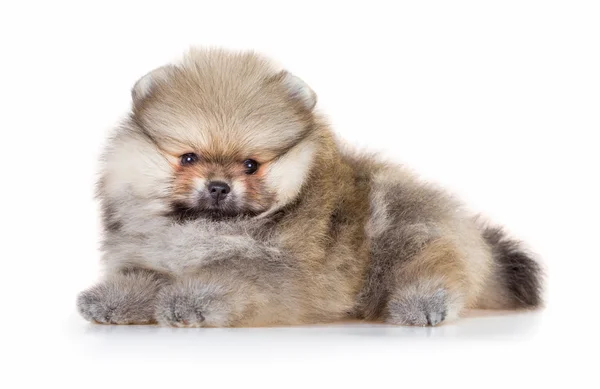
x=123, y=298
x=406, y=216
x=193, y=303
x=318, y=233
x=418, y=307
x=515, y=269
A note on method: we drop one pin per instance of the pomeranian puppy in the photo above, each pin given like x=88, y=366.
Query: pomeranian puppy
x=227, y=201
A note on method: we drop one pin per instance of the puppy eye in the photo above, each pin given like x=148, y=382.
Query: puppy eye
x=251, y=166
x=189, y=159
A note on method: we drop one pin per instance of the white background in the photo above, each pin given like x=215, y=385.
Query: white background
x=499, y=101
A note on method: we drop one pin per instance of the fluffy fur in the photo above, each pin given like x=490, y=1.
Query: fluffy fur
x=316, y=234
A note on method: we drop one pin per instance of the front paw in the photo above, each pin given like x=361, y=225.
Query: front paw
x=418, y=308
x=122, y=299
x=193, y=304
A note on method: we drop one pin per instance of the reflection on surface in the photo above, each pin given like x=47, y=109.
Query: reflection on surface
x=480, y=325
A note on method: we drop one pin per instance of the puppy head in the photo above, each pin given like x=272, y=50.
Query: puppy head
x=222, y=134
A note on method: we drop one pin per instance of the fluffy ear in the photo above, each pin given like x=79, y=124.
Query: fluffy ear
x=286, y=175
x=299, y=90
x=144, y=85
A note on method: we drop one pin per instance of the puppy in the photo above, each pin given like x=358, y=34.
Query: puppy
x=227, y=201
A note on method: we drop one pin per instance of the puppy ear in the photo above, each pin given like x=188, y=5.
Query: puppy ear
x=144, y=85
x=286, y=175
x=299, y=90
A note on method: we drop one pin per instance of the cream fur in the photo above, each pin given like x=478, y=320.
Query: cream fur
x=313, y=232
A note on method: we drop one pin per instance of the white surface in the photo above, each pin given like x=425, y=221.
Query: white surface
x=498, y=101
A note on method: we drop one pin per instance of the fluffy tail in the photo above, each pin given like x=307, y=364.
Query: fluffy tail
x=517, y=278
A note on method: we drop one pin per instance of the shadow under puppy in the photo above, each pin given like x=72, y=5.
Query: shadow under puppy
x=227, y=201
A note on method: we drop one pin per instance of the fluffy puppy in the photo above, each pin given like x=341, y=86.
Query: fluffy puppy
x=227, y=201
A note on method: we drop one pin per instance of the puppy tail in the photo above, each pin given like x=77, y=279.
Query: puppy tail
x=516, y=279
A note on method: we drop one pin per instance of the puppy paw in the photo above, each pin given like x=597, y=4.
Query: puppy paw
x=101, y=305
x=193, y=305
x=415, y=308
x=122, y=299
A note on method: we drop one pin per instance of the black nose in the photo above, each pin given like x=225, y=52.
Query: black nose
x=218, y=190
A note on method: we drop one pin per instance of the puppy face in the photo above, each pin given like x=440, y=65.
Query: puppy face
x=222, y=135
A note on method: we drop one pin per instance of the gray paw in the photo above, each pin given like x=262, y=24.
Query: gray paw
x=187, y=305
x=103, y=307
x=179, y=310
x=415, y=309
x=127, y=299
x=93, y=307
